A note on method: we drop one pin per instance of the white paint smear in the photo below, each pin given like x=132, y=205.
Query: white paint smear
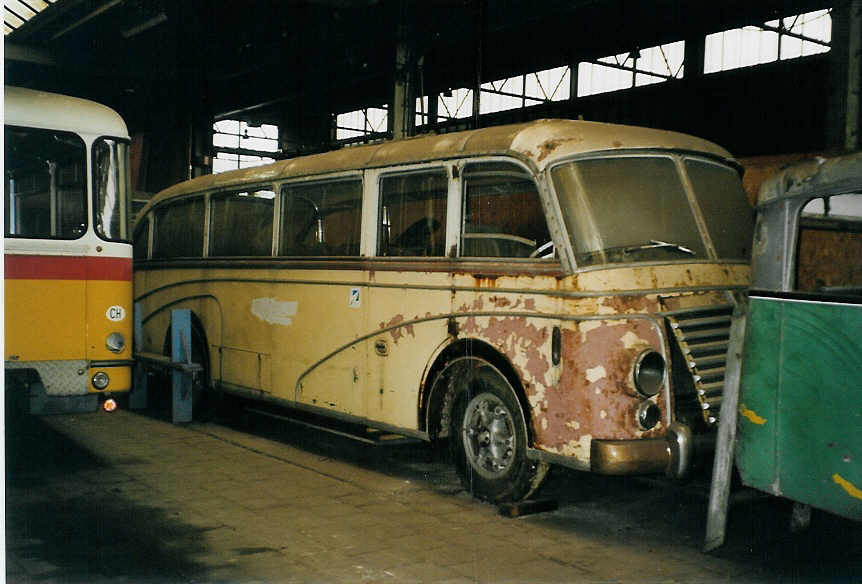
x=274, y=311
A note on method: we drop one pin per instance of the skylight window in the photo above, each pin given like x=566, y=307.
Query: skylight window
x=238, y=145
x=633, y=69
x=363, y=122
x=525, y=90
x=786, y=38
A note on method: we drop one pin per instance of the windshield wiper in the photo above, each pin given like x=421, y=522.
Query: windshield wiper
x=655, y=244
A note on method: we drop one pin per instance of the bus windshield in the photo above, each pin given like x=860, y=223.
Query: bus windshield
x=635, y=209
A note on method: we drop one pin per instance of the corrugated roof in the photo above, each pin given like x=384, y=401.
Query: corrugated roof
x=18, y=12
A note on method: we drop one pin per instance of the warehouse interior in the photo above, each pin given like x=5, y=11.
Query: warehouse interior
x=252, y=492
x=764, y=79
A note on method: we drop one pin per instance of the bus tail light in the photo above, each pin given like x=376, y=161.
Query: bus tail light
x=109, y=405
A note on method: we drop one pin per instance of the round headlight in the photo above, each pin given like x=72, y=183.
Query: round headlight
x=101, y=380
x=649, y=372
x=649, y=415
x=115, y=342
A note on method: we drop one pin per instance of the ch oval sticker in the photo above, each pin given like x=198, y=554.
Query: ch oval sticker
x=116, y=313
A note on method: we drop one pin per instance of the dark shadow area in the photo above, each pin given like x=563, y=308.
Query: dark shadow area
x=67, y=519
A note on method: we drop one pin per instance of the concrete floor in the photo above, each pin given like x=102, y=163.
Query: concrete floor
x=127, y=497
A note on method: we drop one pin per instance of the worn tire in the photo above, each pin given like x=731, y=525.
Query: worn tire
x=488, y=437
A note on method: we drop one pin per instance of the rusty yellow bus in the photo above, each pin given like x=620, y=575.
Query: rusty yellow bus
x=554, y=292
x=67, y=253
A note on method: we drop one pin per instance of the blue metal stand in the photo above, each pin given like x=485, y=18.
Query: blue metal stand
x=179, y=363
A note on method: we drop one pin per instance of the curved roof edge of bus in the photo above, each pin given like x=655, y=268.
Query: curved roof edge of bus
x=542, y=142
x=822, y=176
x=41, y=109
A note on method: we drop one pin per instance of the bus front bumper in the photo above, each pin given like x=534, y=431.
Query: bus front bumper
x=672, y=455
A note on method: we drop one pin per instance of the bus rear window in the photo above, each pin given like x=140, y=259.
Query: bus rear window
x=45, y=184
x=179, y=229
x=829, y=256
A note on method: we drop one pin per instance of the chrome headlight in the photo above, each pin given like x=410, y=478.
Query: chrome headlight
x=115, y=342
x=649, y=372
x=101, y=380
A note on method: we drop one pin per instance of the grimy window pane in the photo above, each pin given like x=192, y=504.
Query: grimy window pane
x=412, y=220
x=728, y=215
x=45, y=184
x=502, y=214
x=179, y=229
x=241, y=223
x=111, y=189
x=321, y=219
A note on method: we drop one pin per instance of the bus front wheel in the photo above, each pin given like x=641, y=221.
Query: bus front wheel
x=488, y=439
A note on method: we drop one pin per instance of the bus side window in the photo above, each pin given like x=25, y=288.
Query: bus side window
x=829, y=253
x=502, y=213
x=321, y=219
x=179, y=229
x=412, y=219
x=141, y=239
x=241, y=223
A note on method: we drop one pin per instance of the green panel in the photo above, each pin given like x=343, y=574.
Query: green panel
x=814, y=434
x=755, y=447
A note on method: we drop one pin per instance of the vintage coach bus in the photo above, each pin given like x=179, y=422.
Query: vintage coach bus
x=551, y=292
x=67, y=253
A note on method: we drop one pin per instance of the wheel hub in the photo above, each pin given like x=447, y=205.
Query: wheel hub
x=489, y=436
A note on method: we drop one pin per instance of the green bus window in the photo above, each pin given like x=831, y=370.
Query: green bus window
x=321, y=219
x=412, y=220
x=829, y=252
x=179, y=229
x=241, y=223
x=502, y=215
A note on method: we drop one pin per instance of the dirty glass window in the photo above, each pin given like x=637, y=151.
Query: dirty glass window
x=728, y=216
x=141, y=239
x=241, y=223
x=321, y=219
x=111, y=189
x=502, y=214
x=179, y=229
x=829, y=254
x=626, y=209
x=45, y=184
x=412, y=220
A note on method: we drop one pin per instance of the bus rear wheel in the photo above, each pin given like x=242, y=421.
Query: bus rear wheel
x=488, y=439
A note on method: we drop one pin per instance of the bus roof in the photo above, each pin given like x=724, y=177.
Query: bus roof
x=539, y=143
x=40, y=109
x=818, y=176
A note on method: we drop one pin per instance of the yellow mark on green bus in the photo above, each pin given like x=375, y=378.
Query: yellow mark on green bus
x=751, y=415
x=847, y=486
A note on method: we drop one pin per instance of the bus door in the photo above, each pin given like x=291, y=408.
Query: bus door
x=321, y=226
x=409, y=286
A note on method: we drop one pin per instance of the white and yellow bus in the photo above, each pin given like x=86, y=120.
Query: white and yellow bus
x=67, y=253
x=552, y=292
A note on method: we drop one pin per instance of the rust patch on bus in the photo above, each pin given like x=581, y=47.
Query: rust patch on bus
x=595, y=397
x=397, y=332
x=547, y=147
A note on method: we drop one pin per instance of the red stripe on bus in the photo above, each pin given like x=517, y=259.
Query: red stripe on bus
x=37, y=267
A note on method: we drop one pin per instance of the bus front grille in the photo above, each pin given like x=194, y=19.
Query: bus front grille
x=702, y=335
